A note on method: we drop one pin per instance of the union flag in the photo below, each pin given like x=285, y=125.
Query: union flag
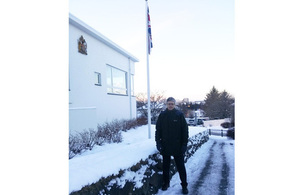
x=150, y=45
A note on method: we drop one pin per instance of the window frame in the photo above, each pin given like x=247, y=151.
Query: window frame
x=110, y=87
x=98, y=81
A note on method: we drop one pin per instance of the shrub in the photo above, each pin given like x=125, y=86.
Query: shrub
x=79, y=142
x=109, y=132
x=227, y=125
x=75, y=145
x=88, y=138
x=141, y=121
x=129, y=124
x=100, y=136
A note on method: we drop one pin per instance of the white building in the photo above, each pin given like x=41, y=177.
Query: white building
x=101, y=77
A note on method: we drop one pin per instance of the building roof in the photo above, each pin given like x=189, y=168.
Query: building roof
x=89, y=30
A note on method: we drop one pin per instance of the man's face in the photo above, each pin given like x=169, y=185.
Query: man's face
x=170, y=105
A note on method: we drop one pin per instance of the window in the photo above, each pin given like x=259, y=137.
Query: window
x=116, y=81
x=98, y=78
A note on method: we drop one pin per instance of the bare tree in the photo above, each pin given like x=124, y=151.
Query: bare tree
x=157, y=103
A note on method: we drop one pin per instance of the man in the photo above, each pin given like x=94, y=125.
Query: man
x=171, y=138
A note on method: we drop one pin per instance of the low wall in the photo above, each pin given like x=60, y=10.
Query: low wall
x=144, y=178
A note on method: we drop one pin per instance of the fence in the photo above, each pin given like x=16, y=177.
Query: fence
x=222, y=132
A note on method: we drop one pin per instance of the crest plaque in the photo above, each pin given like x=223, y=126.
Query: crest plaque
x=82, y=46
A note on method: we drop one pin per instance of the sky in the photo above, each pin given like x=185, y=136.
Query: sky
x=34, y=88
x=193, y=42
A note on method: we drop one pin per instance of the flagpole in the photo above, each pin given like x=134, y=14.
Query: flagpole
x=148, y=75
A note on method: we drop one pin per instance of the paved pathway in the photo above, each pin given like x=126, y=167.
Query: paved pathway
x=210, y=171
x=214, y=178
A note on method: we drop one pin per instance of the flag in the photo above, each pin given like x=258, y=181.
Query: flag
x=149, y=32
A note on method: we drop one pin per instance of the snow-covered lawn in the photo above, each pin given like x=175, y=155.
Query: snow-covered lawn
x=108, y=159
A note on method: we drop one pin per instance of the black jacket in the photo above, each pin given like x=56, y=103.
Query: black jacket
x=171, y=132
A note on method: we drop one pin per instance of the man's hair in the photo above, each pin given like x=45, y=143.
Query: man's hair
x=171, y=99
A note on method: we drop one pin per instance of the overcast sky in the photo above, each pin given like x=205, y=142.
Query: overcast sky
x=193, y=41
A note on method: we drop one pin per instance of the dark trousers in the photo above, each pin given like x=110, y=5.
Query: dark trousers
x=179, y=161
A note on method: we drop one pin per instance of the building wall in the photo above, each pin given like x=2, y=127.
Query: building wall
x=90, y=104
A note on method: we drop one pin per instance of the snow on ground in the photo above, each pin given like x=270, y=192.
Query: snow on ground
x=197, y=166
x=108, y=159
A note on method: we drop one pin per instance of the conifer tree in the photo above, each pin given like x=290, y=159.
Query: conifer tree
x=218, y=105
x=211, y=103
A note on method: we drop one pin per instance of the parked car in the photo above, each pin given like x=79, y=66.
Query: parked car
x=192, y=122
x=200, y=122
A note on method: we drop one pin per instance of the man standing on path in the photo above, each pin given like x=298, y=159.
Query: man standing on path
x=171, y=138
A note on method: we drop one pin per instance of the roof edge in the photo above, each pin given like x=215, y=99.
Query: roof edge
x=88, y=29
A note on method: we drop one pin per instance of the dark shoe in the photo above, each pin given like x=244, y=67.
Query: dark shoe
x=185, y=190
x=165, y=186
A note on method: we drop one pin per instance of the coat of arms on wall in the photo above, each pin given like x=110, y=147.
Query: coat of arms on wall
x=82, y=46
